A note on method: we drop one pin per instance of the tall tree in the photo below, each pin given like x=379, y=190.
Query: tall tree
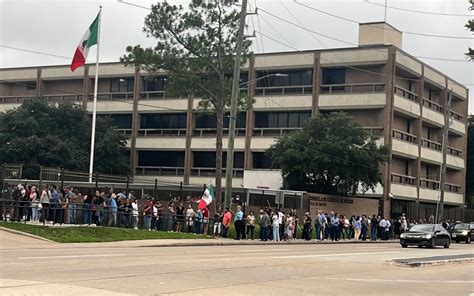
x=196, y=48
x=39, y=133
x=332, y=154
x=470, y=163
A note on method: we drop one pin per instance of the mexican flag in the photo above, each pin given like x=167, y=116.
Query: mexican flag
x=206, y=197
x=90, y=38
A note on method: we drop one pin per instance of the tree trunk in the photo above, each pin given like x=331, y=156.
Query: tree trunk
x=219, y=135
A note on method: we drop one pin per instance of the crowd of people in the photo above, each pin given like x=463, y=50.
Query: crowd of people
x=122, y=209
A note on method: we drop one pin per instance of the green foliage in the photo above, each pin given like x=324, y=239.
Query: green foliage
x=470, y=27
x=38, y=133
x=196, y=48
x=470, y=163
x=332, y=154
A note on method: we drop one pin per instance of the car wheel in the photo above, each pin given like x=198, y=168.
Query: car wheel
x=404, y=246
x=457, y=241
x=446, y=246
x=433, y=243
x=468, y=240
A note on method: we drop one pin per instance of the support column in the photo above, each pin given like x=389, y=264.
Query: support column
x=250, y=118
x=388, y=125
x=418, y=131
x=39, y=83
x=189, y=135
x=317, y=74
x=137, y=86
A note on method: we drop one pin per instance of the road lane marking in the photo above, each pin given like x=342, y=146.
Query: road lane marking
x=331, y=255
x=70, y=256
x=268, y=250
x=395, y=280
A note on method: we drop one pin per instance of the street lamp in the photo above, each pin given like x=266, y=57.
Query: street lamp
x=260, y=78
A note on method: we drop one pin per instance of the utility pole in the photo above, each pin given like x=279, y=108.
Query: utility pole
x=444, y=147
x=233, y=106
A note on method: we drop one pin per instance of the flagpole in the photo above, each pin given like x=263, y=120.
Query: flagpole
x=94, y=112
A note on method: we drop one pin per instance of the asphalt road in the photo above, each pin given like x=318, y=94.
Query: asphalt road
x=30, y=267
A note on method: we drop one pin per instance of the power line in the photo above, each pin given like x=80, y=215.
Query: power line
x=417, y=11
x=383, y=28
x=341, y=40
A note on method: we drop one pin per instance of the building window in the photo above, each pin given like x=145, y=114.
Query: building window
x=290, y=78
x=163, y=121
x=281, y=119
x=122, y=121
x=31, y=85
x=161, y=158
x=207, y=159
x=121, y=85
x=209, y=121
x=155, y=83
x=261, y=160
x=334, y=76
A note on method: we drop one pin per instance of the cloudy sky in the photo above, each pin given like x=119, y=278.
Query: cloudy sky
x=55, y=27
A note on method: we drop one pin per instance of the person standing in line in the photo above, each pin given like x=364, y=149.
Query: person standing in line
x=281, y=223
x=198, y=222
x=148, y=212
x=226, y=222
x=276, y=226
x=334, y=227
x=238, y=217
x=357, y=227
x=154, y=217
x=86, y=207
x=322, y=224
x=171, y=217
x=218, y=222
x=404, y=226
x=179, y=217
x=190, y=218
x=112, y=219
x=71, y=201
x=205, y=220
x=135, y=214
x=160, y=221
x=35, y=202
x=44, y=200
x=365, y=226
x=250, y=225
x=384, y=225
x=307, y=227
x=264, y=223
x=374, y=224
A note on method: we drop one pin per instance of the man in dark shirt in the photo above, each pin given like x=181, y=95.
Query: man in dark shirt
x=307, y=227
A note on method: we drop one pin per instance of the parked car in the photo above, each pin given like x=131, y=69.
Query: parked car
x=463, y=232
x=430, y=235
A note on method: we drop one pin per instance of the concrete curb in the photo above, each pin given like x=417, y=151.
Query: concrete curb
x=258, y=243
x=26, y=234
x=414, y=264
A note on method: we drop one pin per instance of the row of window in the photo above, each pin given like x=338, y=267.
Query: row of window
x=201, y=159
x=272, y=78
x=208, y=121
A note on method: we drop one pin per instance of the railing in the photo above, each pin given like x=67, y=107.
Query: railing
x=353, y=88
x=112, y=96
x=202, y=132
x=152, y=95
x=407, y=137
x=455, y=115
x=407, y=94
x=127, y=132
x=402, y=179
x=431, y=184
x=205, y=172
x=160, y=171
x=160, y=132
x=376, y=131
x=284, y=90
x=433, y=105
x=431, y=144
x=274, y=131
x=454, y=151
x=50, y=98
x=452, y=188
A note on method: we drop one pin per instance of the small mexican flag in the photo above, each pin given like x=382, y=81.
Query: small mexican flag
x=206, y=197
x=90, y=38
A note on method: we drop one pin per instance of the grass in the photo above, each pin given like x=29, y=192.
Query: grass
x=84, y=234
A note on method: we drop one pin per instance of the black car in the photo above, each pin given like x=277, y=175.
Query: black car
x=463, y=232
x=430, y=235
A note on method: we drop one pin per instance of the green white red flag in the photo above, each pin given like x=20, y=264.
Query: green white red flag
x=89, y=39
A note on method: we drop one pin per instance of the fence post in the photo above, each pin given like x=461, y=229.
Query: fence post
x=96, y=181
x=155, y=189
x=128, y=183
x=181, y=190
x=40, y=186
x=62, y=178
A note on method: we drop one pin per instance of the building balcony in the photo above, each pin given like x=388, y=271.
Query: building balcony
x=403, y=185
x=458, y=127
x=127, y=132
x=404, y=144
x=162, y=132
x=406, y=102
x=352, y=96
x=284, y=90
x=211, y=172
x=429, y=190
x=112, y=96
x=205, y=132
x=432, y=152
x=159, y=171
x=162, y=143
x=274, y=131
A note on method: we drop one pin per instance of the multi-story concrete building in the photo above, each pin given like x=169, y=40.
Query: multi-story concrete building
x=391, y=94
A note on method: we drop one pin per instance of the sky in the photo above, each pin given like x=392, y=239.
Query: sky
x=55, y=28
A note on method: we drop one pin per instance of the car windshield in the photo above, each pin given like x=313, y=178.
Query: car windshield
x=461, y=226
x=422, y=227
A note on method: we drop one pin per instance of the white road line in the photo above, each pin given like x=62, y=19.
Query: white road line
x=70, y=256
x=395, y=280
x=332, y=255
x=268, y=250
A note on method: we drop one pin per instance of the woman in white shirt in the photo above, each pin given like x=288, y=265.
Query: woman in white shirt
x=135, y=214
x=190, y=217
x=275, y=227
